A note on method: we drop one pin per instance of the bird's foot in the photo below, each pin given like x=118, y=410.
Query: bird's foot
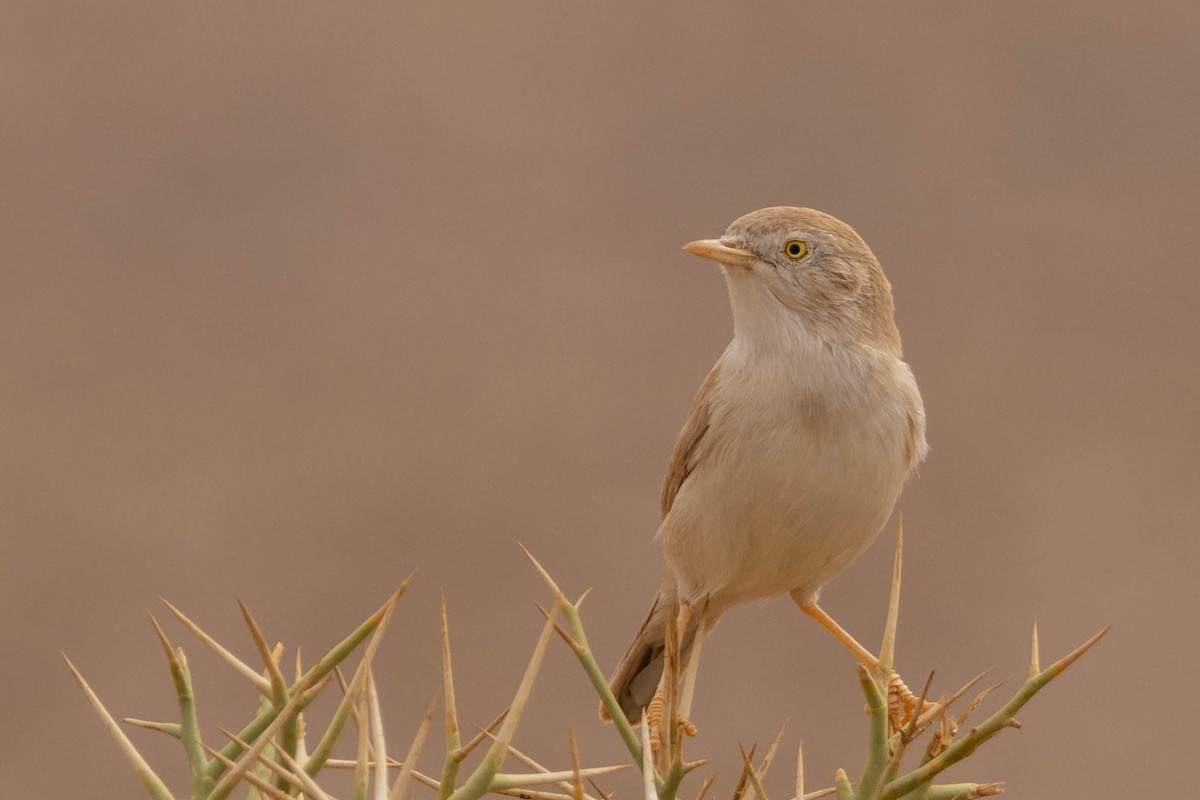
x=654, y=718
x=903, y=705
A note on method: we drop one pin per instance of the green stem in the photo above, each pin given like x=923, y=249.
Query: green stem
x=877, y=746
x=600, y=684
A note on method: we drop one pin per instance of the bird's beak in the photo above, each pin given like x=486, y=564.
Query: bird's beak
x=722, y=253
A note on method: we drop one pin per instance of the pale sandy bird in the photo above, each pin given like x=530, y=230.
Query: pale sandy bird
x=798, y=442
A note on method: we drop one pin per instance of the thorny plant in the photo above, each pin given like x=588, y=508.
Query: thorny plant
x=270, y=756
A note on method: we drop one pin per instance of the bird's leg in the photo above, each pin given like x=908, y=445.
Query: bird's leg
x=808, y=604
x=690, y=670
x=674, y=674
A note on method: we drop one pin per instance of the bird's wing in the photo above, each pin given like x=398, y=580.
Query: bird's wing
x=689, y=447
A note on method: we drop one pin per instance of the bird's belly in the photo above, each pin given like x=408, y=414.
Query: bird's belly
x=785, y=510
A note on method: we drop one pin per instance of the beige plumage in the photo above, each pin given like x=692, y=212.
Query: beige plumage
x=798, y=442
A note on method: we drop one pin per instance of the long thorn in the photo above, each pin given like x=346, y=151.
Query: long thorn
x=800, y=771
x=577, y=786
x=452, y=729
x=379, y=782
x=172, y=659
x=169, y=728
x=152, y=782
x=461, y=753
x=648, y=774
x=479, y=781
x=262, y=684
x=228, y=781
x=250, y=777
x=1034, y=667
x=753, y=774
x=740, y=789
x=558, y=593
x=517, y=780
x=278, y=683
x=931, y=714
x=1058, y=667
x=414, y=750
x=562, y=633
x=887, y=649
x=525, y=759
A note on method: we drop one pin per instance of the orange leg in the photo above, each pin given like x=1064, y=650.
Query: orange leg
x=810, y=607
x=863, y=655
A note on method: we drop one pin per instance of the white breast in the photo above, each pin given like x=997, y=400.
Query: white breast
x=806, y=452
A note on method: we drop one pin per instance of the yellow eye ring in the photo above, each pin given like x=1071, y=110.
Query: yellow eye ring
x=795, y=249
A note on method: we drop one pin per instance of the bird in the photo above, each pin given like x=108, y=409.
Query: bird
x=798, y=442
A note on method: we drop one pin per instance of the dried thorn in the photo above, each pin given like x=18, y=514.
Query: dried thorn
x=376, y=740
x=482, y=777
x=740, y=788
x=820, y=793
x=464, y=751
x=307, y=695
x=975, y=703
x=269, y=657
x=1034, y=668
x=172, y=658
x=1058, y=667
x=754, y=779
x=452, y=730
x=708, y=782
x=558, y=593
x=648, y=791
x=887, y=649
x=929, y=715
x=603, y=794
x=169, y=728
x=414, y=751
x=575, y=646
x=363, y=754
x=150, y=780
x=253, y=779
x=517, y=780
x=577, y=789
x=582, y=597
x=911, y=732
x=225, y=785
x=800, y=771
x=299, y=776
x=770, y=756
x=260, y=683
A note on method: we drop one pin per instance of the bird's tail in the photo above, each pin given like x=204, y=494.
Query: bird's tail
x=636, y=678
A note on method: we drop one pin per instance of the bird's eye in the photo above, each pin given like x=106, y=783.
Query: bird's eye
x=795, y=249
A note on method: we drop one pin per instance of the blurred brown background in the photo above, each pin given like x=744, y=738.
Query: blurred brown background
x=298, y=297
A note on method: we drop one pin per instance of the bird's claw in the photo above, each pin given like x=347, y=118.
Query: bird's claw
x=903, y=705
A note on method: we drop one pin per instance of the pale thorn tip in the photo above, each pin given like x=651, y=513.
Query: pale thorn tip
x=887, y=649
x=648, y=790
x=172, y=658
x=1034, y=667
x=1058, y=666
x=752, y=773
x=800, y=770
x=558, y=593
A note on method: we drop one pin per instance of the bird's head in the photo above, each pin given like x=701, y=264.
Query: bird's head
x=796, y=270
